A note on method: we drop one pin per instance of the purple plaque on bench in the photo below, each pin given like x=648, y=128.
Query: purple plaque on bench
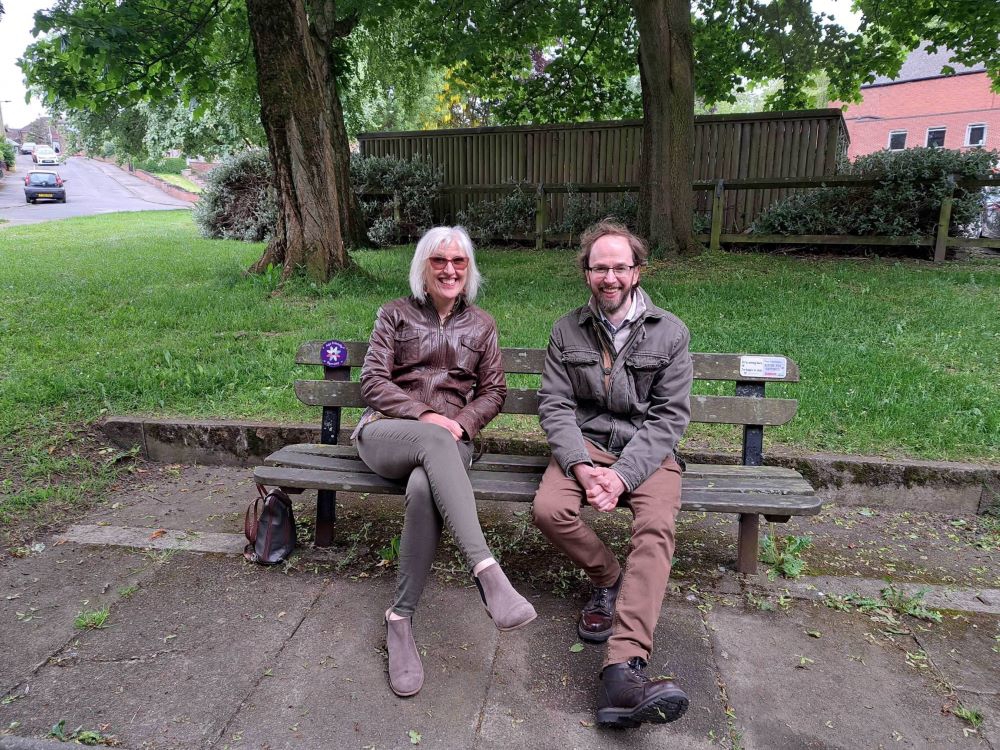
x=333, y=354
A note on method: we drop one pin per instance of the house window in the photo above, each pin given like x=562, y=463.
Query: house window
x=975, y=135
x=935, y=137
x=897, y=140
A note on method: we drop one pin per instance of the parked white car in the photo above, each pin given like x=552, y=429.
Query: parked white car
x=46, y=156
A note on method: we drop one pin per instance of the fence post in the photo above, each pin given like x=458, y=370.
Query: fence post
x=540, y=217
x=397, y=214
x=944, y=219
x=715, y=243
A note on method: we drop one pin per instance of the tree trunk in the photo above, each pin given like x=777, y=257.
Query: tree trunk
x=297, y=115
x=325, y=30
x=666, y=167
x=352, y=223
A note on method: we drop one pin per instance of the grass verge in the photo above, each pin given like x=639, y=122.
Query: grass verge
x=179, y=181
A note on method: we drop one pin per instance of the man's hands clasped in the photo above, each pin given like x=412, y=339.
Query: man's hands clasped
x=603, y=486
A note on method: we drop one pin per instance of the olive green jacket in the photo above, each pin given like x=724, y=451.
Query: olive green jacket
x=642, y=412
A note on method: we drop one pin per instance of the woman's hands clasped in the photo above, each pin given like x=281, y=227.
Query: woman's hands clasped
x=440, y=420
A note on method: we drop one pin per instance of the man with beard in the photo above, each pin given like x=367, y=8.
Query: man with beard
x=614, y=402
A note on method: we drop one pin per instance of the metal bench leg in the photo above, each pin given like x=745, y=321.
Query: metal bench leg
x=746, y=556
x=326, y=517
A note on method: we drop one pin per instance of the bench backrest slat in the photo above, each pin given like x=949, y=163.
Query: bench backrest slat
x=707, y=366
x=714, y=409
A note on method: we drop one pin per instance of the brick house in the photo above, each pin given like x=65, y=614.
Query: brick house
x=922, y=107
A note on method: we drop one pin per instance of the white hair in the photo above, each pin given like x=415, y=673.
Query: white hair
x=431, y=241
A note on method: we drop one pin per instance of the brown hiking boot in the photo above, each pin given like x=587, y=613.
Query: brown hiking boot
x=627, y=697
x=598, y=614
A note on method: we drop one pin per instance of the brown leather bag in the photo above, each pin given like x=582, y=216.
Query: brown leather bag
x=270, y=528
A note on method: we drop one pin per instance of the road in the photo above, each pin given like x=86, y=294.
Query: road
x=92, y=187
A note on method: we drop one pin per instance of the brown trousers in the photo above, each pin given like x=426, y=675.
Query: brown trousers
x=654, y=505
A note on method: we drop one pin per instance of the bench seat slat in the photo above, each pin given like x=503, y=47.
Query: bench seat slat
x=710, y=409
x=781, y=485
x=707, y=365
x=489, y=488
x=501, y=462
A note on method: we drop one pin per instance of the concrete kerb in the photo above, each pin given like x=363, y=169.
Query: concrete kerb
x=28, y=743
x=892, y=484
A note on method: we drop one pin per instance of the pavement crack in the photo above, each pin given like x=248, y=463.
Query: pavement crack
x=139, y=659
x=481, y=717
x=735, y=733
x=264, y=672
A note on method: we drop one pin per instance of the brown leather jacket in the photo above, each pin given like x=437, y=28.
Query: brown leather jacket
x=417, y=364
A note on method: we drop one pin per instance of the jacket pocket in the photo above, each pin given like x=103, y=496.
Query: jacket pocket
x=583, y=367
x=469, y=352
x=406, y=347
x=642, y=369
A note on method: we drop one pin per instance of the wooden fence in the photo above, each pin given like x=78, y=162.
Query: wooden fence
x=940, y=241
x=730, y=147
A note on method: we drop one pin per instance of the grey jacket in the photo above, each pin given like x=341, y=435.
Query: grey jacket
x=641, y=415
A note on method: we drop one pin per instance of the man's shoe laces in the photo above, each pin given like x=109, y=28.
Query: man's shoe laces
x=636, y=665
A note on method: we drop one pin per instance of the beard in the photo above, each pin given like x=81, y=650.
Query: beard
x=611, y=305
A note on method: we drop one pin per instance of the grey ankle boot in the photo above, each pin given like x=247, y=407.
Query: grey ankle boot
x=406, y=673
x=508, y=608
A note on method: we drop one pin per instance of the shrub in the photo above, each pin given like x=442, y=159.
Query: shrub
x=509, y=216
x=513, y=215
x=238, y=201
x=7, y=155
x=899, y=206
x=583, y=209
x=416, y=182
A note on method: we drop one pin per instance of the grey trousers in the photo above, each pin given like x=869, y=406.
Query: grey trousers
x=438, y=492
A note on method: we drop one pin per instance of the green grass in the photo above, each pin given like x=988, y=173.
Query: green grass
x=92, y=619
x=179, y=181
x=136, y=314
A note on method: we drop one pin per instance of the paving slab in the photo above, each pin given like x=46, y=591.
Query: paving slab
x=848, y=688
x=329, y=686
x=176, y=659
x=199, y=498
x=965, y=648
x=41, y=595
x=544, y=694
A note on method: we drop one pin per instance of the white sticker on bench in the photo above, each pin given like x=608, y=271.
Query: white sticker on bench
x=763, y=367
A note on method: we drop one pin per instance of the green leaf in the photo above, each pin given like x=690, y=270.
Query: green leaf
x=576, y=648
x=415, y=737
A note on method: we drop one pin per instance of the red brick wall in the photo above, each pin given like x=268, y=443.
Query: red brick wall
x=954, y=103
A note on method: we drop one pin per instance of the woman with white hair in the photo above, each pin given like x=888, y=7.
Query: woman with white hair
x=432, y=379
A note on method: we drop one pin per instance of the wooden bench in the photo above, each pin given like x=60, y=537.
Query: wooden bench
x=751, y=490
